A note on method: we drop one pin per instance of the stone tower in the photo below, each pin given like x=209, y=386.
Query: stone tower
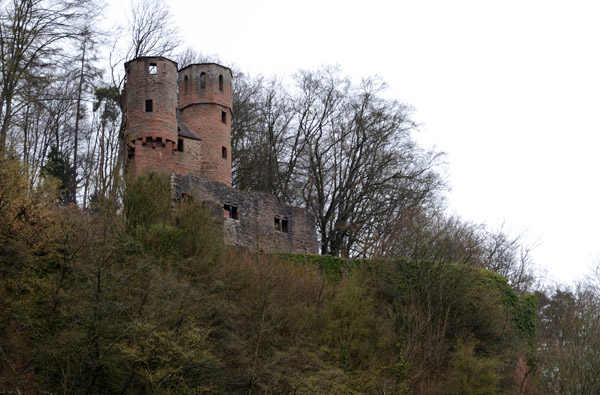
x=205, y=102
x=150, y=105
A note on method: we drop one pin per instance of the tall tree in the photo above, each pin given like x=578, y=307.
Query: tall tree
x=33, y=34
x=569, y=340
x=342, y=150
x=85, y=76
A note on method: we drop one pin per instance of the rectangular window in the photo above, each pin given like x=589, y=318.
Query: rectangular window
x=281, y=224
x=152, y=68
x=231, y=211
x=224, y=152
x=284, y=225
x=130, y=152
x=180, y=145
x=223, y=117
x=149, y=106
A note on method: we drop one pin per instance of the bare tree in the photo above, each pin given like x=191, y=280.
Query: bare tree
x=32, y=36
x=261, y=137
x=429, y=234
x=191, y=56
x=509, y=256
x=361, y=162
x=339, y=149
x=569, y=340
x=151, y=30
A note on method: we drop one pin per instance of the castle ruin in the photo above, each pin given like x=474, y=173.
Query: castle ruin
x=179, y=122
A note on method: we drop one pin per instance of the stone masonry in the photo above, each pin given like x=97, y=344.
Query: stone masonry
x=179, y=122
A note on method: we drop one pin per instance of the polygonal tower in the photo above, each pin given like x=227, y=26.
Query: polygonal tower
x=205, y=103
x=150, y=106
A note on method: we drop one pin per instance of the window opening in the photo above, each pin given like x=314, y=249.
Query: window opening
x=221, y=83
x=223, y=117
x=130, y=152
x=202, y=80
x=180, y=145
x=149, y=106
x=152, y=68
x=185, y=84
x=231, y=211
x=281, y=224
x=284, y=225
x=224, y=152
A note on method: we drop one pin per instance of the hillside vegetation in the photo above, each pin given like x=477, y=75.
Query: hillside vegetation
x=106, y=290
x=145, y=299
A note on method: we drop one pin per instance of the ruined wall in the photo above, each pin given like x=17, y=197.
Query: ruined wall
x=256, y=216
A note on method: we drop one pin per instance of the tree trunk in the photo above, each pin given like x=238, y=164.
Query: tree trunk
x=73, y=184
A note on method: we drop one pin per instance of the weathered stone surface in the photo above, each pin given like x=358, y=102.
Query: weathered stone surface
x=255, y=227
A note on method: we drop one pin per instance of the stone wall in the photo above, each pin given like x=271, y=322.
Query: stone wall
x=252, y=220
x=189, y=160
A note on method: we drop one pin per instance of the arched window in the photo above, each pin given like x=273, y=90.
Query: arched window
x=202, y=80
x=221, y=83
x=185, y=84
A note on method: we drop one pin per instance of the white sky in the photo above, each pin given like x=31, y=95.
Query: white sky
x=510, y=90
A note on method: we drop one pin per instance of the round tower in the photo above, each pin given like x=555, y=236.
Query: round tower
x=205, y=102
x=150, y=105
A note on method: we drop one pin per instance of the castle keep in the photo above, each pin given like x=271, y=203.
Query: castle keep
x=179, y=122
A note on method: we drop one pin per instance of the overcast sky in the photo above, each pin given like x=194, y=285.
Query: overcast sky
x=510, y=90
